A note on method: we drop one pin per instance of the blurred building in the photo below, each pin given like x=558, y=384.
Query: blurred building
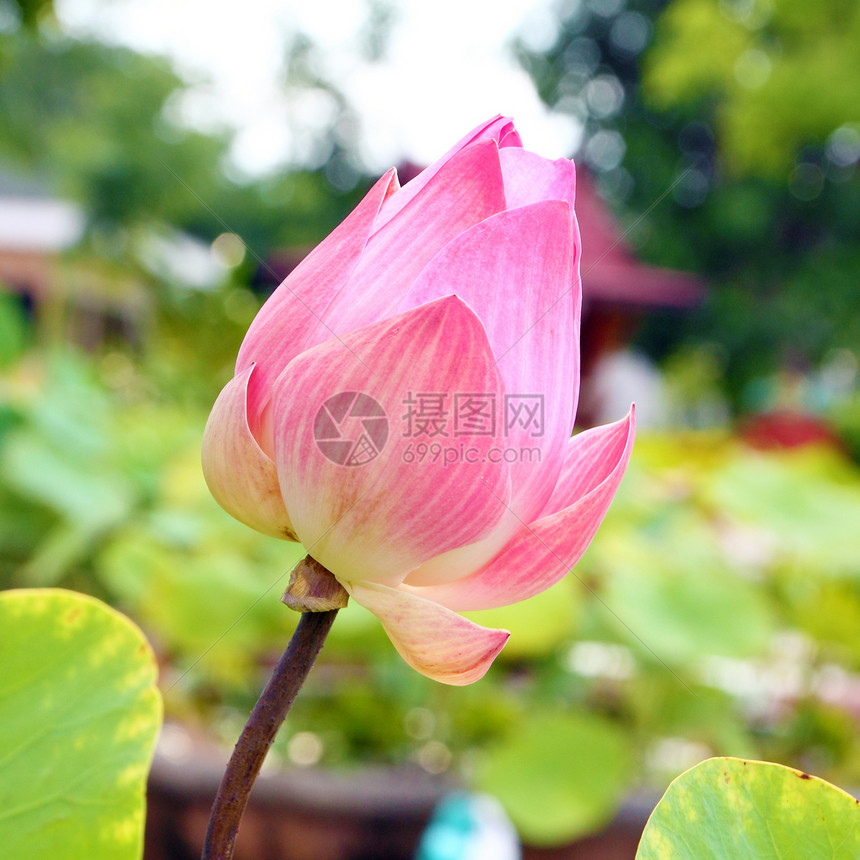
x=66, y=302
x=35, y=229
x=89, y=296
x=618, y=293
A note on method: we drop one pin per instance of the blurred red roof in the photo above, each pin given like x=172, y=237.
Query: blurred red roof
x=610, y=271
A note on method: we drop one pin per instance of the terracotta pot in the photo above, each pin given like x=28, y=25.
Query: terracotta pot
x=302, y=814
x=316, y=814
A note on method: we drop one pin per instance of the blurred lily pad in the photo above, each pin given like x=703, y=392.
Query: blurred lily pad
x=191, y=595
x=733, y=809
x=684, y=615
x=79, y=714
x=94, y=499
x=809, y=501
x=560, y=775
x=683, y=603
x=539, y=624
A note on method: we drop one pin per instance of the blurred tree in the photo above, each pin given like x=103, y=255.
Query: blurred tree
x=779, y=76
x=98, y=124
x=741, y=128
x=89, y=119
x=15, y=13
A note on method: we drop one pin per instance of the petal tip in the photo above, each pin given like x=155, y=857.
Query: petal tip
x=433, y=640
x=496, y=641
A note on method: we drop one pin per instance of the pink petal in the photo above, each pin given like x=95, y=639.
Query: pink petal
x=241, y=478
x=433, y=640
x=530, y=177
x=543, y=552
x=281, y=328
x=379, y=520
x=466, y=190
x=516, y=270
x=586, y=459
x=499, y=128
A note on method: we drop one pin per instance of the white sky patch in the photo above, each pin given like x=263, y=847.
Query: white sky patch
x=447, y=68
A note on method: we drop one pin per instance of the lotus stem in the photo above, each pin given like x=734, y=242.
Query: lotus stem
x=260, y=730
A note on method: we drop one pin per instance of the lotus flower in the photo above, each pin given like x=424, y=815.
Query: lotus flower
x=403, y=403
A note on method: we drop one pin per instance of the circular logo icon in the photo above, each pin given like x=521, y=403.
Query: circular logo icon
x=351, y=428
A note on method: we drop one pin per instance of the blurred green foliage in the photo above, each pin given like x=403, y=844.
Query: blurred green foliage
x=102, y=126
x=779, y=75
x=67, y=116
x=715, y=613
x=13, y=330
x=734, y=124
x=24, y=13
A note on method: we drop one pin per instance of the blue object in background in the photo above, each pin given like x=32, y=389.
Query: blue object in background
x=469, y=827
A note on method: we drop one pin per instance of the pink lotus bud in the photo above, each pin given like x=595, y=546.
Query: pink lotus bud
x=403, y=403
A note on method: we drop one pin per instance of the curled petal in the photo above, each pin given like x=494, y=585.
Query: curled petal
x=544, y=551
x=509, y=136
x=241, y=478
x=365, y=500
x=433, y=640
x=281, y=329
x=530, y=177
